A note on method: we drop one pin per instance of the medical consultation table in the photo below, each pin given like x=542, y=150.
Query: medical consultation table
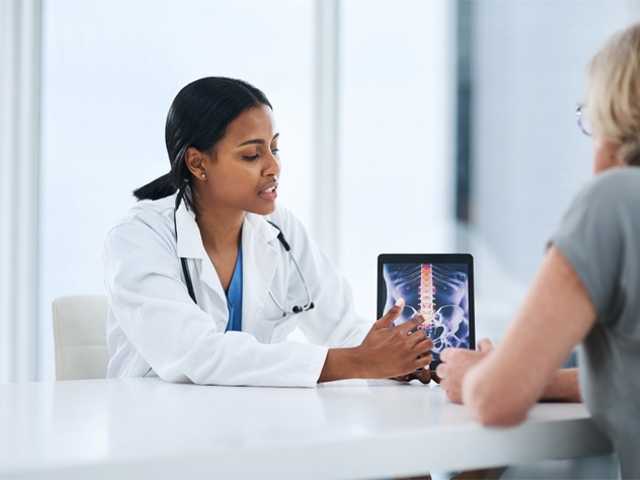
x=146, y=428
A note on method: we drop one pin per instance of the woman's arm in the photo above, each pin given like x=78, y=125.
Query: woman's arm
x=563, y=387
x=557, y=315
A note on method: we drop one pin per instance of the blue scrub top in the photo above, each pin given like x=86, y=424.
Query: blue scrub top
x=234, y=296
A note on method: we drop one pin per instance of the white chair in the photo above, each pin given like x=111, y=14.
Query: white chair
x=79, y=336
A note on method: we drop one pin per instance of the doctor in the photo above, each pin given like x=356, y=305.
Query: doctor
x=206, y=277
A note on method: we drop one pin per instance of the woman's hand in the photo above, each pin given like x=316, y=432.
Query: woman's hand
x=456, y=362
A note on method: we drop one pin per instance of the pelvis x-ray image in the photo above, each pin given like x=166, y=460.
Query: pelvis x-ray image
x=440, y=292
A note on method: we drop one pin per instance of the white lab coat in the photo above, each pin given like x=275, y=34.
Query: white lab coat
x=153, y=323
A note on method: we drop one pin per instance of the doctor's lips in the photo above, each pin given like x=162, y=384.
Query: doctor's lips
x=269, y=192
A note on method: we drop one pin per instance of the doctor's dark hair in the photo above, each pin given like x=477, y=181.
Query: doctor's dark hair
x=198, y=117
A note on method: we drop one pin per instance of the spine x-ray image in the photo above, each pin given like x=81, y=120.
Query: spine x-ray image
x=440, y=292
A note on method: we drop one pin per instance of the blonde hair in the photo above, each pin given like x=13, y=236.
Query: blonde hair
x=613, y=95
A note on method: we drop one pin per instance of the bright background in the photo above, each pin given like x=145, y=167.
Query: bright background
x=429, y=93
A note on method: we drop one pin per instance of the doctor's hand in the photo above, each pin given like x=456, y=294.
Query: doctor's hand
x=424, y=375
x=395, y=351
x=387, y=351
x=456, y=362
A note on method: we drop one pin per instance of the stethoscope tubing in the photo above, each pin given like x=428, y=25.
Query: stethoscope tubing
x=308, y=305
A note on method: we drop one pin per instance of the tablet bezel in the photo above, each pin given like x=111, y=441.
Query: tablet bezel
x=461, y=258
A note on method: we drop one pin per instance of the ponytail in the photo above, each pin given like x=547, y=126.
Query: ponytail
x=159, y=188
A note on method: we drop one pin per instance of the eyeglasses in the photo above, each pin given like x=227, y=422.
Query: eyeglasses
x=583, y=121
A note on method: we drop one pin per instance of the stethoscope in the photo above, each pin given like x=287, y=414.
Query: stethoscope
x=308, y=305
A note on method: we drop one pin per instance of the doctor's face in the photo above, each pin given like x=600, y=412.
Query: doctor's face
x=242, y=171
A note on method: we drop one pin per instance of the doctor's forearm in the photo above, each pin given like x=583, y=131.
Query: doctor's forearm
x=341, y=364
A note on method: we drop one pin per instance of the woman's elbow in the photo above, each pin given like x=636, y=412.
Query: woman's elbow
x=491, y=406
x=497, y=416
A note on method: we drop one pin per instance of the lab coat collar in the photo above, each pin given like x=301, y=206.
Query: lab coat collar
x=190, y=245
x=260, y=251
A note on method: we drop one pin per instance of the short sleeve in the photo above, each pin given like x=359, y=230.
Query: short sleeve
x=590, y=237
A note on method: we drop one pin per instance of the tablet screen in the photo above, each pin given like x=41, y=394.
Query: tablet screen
x=440, y=292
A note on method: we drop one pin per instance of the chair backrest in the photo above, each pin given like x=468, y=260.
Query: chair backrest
x=79, y=336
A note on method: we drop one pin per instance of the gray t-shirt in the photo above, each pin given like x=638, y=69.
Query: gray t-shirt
x=600, y=237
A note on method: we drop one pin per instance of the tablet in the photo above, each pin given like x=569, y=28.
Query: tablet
x=440, y=287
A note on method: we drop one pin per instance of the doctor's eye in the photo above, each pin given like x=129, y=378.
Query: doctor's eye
x=275, y=151
x=251, y=158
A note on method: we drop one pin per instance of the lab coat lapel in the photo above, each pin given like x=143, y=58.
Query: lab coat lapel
x=260, y=255
x=190, y=246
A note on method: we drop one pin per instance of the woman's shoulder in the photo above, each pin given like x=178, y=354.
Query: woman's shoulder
x=287, y=221
x=605, y=211
x=146, y=218
x=281, y=216
x=614, y=187
x=283, y=219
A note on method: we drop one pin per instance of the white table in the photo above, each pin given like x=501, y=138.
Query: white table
x=145, y=428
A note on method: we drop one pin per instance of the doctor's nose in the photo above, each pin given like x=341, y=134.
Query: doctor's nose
x=272, y=167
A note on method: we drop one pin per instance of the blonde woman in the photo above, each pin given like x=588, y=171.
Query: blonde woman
x=588, y=287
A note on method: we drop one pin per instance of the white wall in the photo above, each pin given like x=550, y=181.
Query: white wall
x=112, y=68
x=529, y=157
x=111, y=71
x=396, y=134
